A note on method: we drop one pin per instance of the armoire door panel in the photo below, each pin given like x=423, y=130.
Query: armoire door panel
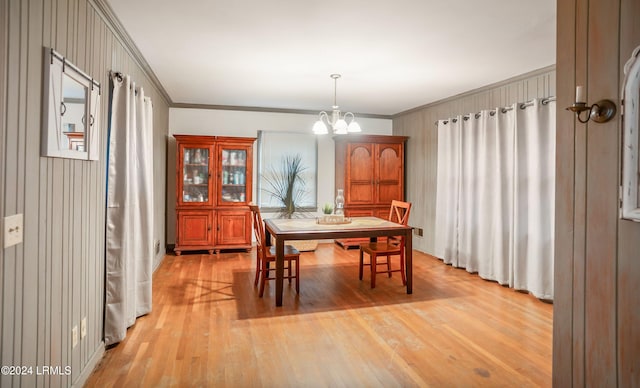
x=389, y=192
x=390, y=160
x=361, y=159
x=360, y=193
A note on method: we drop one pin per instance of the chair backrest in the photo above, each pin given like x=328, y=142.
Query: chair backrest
x=258, y=229
x=399, y=212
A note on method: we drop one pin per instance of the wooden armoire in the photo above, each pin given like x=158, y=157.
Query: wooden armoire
x=213, y=191
x=370, y=170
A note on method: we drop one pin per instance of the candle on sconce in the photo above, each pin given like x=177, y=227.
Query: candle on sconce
x=580, y=94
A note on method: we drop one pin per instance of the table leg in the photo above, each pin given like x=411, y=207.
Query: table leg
x=408, y=254
x=279, y=269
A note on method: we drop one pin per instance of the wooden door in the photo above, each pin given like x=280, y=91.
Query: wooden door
x=597, y=265
x=360, y=173
x=389, y=173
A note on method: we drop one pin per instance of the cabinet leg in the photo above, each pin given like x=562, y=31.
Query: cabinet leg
x=178, y=253
x=211, y=251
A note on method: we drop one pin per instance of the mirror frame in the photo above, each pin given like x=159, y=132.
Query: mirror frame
x=56, y=68
x=630, y=196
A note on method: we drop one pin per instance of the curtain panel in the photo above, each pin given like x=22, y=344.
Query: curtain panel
x=129, y=214
x=496, y=194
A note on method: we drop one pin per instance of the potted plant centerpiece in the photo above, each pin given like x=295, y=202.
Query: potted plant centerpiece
x=286, y=184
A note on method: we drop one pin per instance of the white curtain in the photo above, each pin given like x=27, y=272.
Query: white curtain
x=129, y=209
x=534, y=205
x=495, y=195
x=448, y=190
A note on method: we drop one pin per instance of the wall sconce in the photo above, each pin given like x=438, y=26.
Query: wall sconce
x=600, y=112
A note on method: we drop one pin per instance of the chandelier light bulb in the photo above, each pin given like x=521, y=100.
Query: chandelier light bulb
x=354, y=127
x=340, y=127
x=319, y=128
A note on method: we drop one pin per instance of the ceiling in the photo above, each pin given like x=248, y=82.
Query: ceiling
x=392, y=55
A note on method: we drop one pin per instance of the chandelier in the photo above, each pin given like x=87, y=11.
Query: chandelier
x=338, y=124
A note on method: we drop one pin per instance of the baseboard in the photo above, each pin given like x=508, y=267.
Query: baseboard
x=91, y=365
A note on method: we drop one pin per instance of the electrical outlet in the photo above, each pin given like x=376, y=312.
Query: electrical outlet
x=74, y=336
x=157, y=246
x=417, y=231
x=83, y=328
x=12, y=230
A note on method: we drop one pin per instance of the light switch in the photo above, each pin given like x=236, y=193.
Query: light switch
x=12, y=230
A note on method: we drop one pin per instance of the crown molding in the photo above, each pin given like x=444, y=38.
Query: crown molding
x=184, y=105
x=113, y=23
x=479, y=90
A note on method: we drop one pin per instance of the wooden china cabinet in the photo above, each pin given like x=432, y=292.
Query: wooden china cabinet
x=213, y=191
x=370, y=170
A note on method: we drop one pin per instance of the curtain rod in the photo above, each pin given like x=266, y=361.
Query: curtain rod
x=58, y=56
x=522, y=105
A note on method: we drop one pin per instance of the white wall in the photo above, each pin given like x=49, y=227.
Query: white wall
x=211, y=122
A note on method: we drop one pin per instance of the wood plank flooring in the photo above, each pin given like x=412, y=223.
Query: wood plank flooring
x=209, y=328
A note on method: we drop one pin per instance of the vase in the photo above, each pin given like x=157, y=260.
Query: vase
x=340, y=202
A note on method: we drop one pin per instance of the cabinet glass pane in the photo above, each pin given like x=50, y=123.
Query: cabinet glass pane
x=195, y=175
x=234, y=171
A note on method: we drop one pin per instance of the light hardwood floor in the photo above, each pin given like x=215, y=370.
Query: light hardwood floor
x=209, y=328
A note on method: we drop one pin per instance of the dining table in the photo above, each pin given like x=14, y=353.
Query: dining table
x=282, y=229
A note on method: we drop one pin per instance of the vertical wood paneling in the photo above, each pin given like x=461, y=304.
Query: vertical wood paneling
x=579, y=73
x=563, y=349
x=33, y=99
x=602, y=196
x=9, y=205
x=4, y=25
x=629, y=241
x=423, y=143
x=598, y=315
x=56, y=277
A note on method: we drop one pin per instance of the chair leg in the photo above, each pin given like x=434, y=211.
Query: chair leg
x=263, y=279
x=297, y=275
x=289, y=270
x=361, y=264
x=402, y=271
x=255, y=281
x=389, y=265
x=373, y=260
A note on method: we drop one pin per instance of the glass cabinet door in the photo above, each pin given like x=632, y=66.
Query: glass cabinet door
x=234, y=175
x=195, y=175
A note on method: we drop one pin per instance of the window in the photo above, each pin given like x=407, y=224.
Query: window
x=273, y=148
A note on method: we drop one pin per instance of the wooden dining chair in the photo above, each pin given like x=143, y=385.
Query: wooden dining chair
x=267, y=254
x=394, y=246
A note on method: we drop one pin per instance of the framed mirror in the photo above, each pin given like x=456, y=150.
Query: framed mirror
x=71, y=104
x=630, y=207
